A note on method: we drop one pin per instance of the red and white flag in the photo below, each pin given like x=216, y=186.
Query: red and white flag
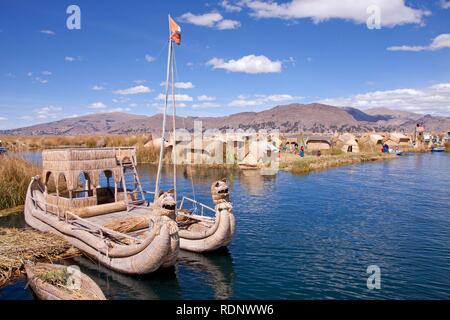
x=175, y=31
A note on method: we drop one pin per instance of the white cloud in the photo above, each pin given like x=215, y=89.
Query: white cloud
x=48, y=112
x=204, y=98
x=134, y=90
x=205, y=105
x=29, y=74
x=98, y=105
x=211, y=20
x=260, y=100
x=248, y=64
x=3, y=119
x=393, y=12
x=431, y=100
x=140, y=81
x=230, y=7
x=48, y=32
x=72, y=59
x=46, y=73
x=228, y=24
x=180, y=85
x=98, y=88
x=440, y=42
x=149, y=58
x=178, y=97
x=445, y=4
x=40, y=80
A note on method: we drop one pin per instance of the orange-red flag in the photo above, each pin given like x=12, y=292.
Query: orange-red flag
x=175, y=31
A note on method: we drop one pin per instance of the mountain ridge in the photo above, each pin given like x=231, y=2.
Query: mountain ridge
x=314, y=117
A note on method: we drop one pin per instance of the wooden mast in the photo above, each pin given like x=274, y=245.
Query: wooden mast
x=163, y=135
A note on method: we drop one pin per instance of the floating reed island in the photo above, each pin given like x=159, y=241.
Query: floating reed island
x=18, y=246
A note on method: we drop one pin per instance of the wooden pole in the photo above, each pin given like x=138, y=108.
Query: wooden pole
x=163, y=135
x=174, y=153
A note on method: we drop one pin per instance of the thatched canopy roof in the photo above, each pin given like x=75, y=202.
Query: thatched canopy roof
x=91, y=162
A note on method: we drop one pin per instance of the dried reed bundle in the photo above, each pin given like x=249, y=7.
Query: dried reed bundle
x=18, y=246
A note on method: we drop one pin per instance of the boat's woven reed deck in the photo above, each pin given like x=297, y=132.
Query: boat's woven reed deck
x=104, y=219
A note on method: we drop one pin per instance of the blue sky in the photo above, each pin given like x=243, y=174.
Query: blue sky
x=235, y=56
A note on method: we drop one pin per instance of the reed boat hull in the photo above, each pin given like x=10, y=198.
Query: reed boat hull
x=159, y=248
x=209, y=236
x=46, y=291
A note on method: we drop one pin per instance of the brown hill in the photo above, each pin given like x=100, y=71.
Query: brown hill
x=288, y=118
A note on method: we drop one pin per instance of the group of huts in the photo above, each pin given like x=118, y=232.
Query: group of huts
x=348, y=142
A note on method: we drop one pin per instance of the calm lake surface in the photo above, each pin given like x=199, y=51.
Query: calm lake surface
x=310, y=237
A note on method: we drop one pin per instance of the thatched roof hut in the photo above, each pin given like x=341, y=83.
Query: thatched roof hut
x=348, y=143
x=316, y=143
x=398, y=139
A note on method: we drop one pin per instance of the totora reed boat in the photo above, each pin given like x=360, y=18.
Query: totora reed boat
x=57, y=282
x=85, y=194
x=94, y=198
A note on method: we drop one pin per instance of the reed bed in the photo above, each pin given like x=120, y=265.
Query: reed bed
x=20, y=245
x=15, y=176
x=145, y=152
x=295, y=164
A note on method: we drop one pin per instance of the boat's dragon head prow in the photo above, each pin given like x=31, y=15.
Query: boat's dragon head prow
x=165, y=204
x=220, y=192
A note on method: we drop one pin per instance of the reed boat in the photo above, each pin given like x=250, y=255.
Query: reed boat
x=56, y=282
x=85, y=194
x=198, y=232
x=202, y=233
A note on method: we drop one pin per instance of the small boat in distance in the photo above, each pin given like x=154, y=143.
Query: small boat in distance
x=57, y=282
x=438, y=149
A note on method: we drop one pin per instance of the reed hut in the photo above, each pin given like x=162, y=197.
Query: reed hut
x=398, y=140
x=348, y=143
x=316, y=143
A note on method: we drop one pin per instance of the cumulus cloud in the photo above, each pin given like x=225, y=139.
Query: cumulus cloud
x=98, y=105
x=72, y=59
x=211, y=20
x=445, y=4
x=393, y=12
x=248, y=64
x=98, y=88
x=204, y=98
x=230, y=7
x=180, y=85
x=48, y=32
x=178, y=97
x=261, y=100
x=48, y=112
x=431, y=100
x=134, y=90
x=440, y=42
x=205, y=105
x=149, y=58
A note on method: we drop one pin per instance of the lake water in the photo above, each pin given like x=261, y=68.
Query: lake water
x=310, y=237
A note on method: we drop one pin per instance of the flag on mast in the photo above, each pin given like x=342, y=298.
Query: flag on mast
x=175, y=31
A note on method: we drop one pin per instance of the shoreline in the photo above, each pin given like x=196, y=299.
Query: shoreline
x=296, y=165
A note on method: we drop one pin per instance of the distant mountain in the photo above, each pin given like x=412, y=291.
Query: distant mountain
x=392, y=113
x=314, y=117
x=364, y=116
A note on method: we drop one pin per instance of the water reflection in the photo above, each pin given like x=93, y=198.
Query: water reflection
x=161, y=285
x=218, y=267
